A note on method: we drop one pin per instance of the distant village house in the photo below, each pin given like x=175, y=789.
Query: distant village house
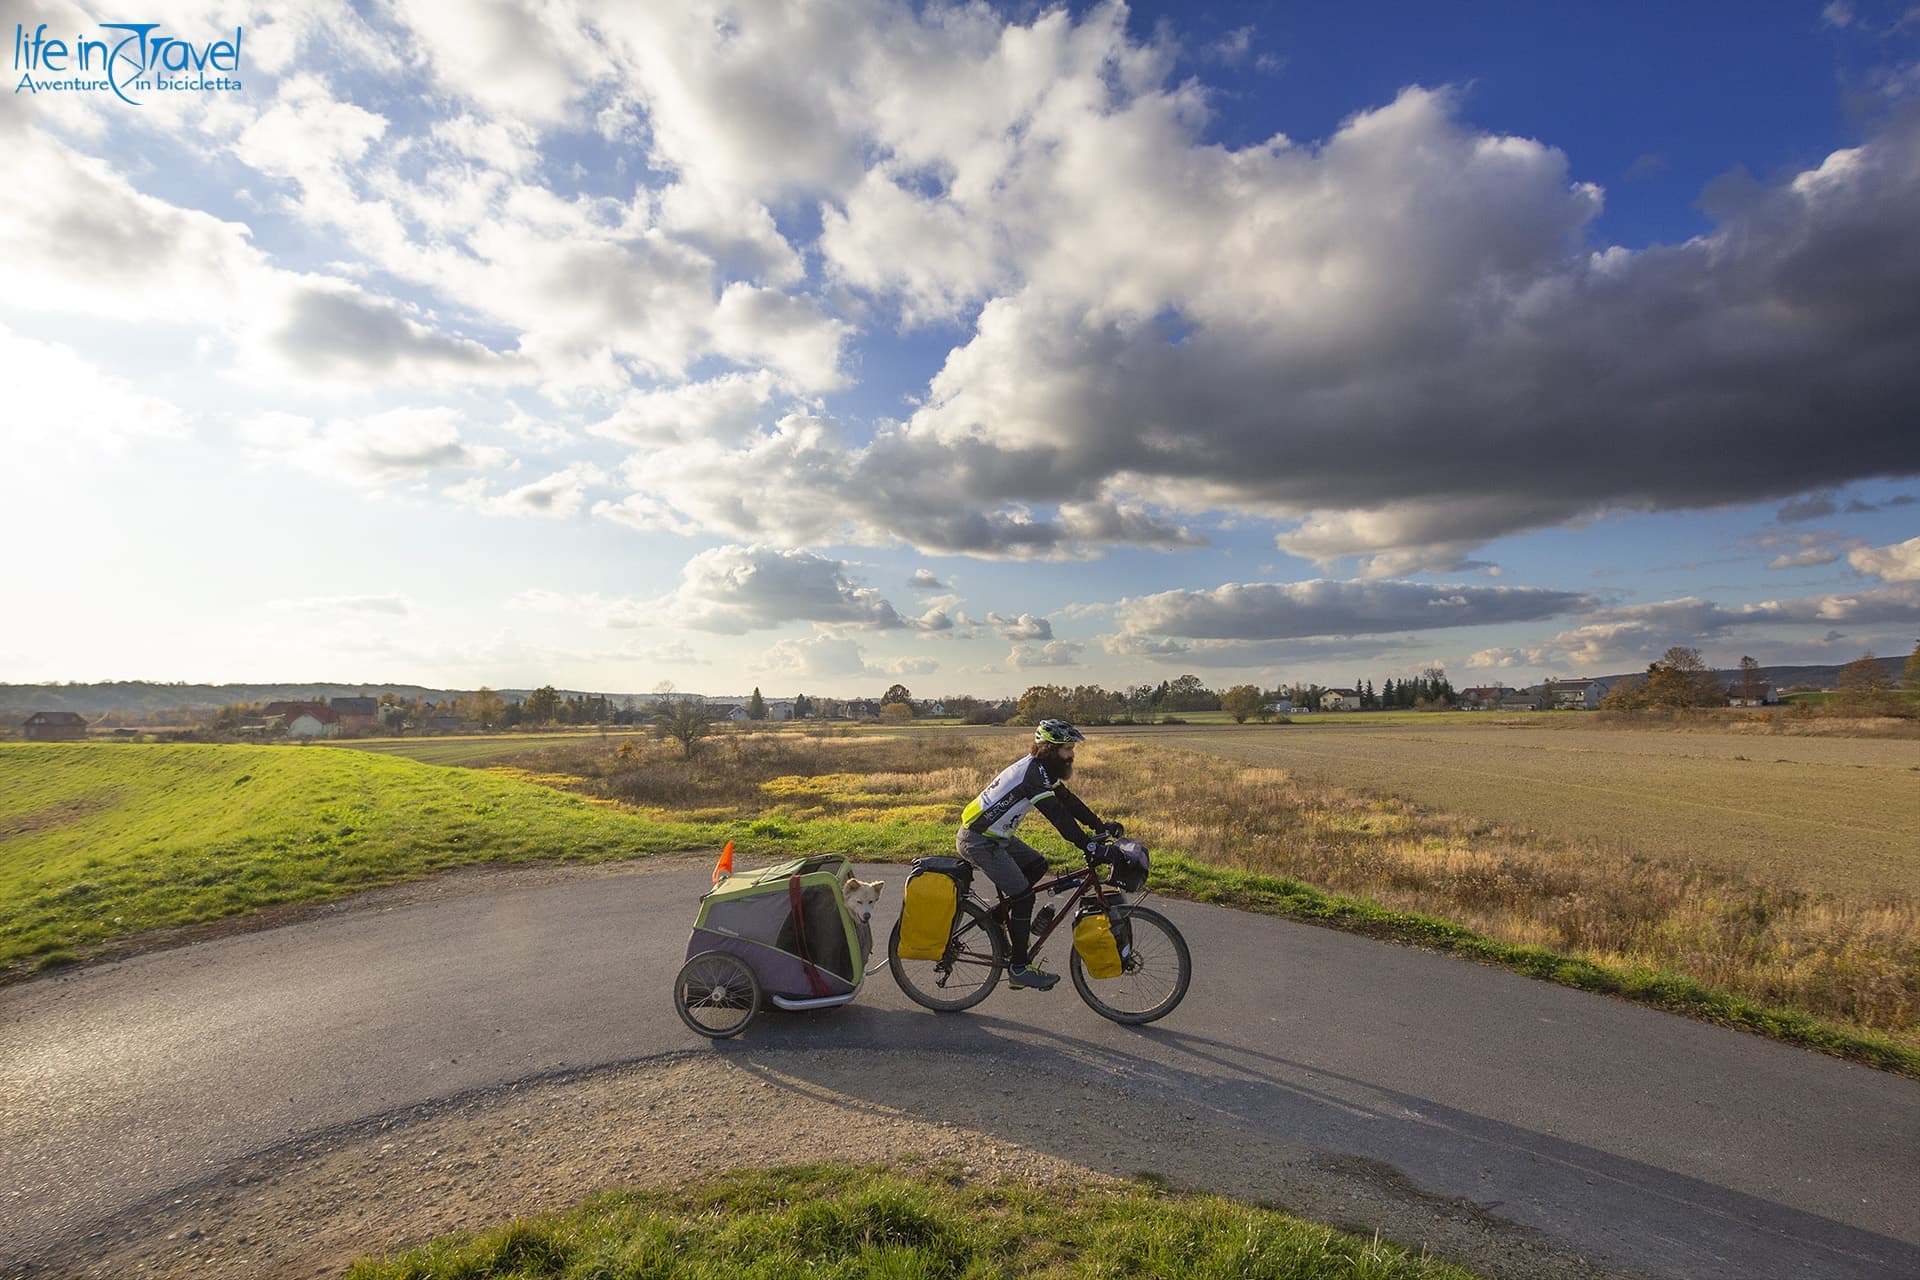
x=54, y=726
x=1578, y=695
x=305, y=719
x=356, y=714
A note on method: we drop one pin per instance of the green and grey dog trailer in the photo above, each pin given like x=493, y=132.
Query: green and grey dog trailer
x=782, y=935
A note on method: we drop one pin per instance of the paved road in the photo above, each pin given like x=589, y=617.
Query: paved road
x=1645, y=1141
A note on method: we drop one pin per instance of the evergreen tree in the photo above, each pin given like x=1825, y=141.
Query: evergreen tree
x=756, y=705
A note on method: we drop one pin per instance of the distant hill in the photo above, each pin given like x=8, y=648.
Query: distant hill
x=1787, y=677
x=148, y=697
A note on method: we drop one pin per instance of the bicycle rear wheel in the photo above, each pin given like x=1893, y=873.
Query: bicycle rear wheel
x=965, y=974
x=1154, y=979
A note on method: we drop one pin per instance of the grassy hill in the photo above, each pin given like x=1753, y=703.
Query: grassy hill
x=151, y=697
x=100, y=840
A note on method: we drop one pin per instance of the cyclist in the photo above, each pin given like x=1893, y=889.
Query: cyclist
x=987, y=840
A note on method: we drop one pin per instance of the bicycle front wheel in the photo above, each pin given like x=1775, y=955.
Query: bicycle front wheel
x=964, y=975
x=1153, y=980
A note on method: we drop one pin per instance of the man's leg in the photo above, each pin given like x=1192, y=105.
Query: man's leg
x=1033, y=867
x=1006, y=863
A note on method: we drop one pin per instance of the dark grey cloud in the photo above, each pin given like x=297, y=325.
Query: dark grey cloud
x=1536, y=386
x=1419, y=350
x=1286, y=610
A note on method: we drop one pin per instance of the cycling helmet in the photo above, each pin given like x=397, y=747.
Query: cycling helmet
x=1057, y=731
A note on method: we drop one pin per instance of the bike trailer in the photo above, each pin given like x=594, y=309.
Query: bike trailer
x=929, y=903
x=790, y=924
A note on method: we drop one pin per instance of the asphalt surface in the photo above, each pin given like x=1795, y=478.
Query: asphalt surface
x=1644, y=1141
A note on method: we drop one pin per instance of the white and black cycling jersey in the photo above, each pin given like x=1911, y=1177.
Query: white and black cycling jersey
x=1022, y=786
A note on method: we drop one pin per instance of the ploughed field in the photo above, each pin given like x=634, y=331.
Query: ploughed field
x=1827, y=815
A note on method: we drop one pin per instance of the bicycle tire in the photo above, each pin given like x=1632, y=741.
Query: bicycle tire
x=1158, y=973
x=973, y=931
x=716, y=994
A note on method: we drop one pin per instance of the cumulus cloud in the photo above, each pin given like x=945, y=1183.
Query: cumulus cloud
x=723, y=409
x=1054, y=653
x=1897, y=563
x=1024, y=627
x=736, y=589
x=334, y=330
x=926, y=580
x=896, y=487
x=1246, y=323
x=89, y=243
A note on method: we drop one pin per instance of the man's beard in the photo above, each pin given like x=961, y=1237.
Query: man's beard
x=1060, y=768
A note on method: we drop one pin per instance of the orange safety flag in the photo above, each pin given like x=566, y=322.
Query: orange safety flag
x=724, y=868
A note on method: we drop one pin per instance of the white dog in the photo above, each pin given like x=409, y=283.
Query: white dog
x=862, y=895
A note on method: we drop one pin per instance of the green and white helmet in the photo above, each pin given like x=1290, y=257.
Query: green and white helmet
x=1058, y=732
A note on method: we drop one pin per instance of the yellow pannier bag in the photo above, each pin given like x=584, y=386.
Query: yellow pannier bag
x=1093, y=939
x=928, y=905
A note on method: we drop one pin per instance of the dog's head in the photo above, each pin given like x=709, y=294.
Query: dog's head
x=862, y=895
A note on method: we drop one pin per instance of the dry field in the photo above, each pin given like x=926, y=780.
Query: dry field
x=1825, y=815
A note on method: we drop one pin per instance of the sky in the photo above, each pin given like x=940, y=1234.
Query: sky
x=819, y=347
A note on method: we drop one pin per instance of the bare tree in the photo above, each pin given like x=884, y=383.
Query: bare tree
x=685, y=720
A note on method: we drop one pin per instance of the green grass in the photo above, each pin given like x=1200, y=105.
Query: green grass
x=832, y=1222
x=98, y=841
x=102, y=840
x=482, y=749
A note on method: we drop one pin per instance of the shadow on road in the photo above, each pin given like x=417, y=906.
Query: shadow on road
x=1144, y=1099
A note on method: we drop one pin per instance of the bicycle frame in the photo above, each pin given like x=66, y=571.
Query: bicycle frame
x=1086, y=878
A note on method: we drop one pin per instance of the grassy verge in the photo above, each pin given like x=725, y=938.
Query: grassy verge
x=99, y=841
x=1676, y=993
x=833, y=1221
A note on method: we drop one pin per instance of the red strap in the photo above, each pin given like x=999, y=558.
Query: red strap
x=796, y=906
